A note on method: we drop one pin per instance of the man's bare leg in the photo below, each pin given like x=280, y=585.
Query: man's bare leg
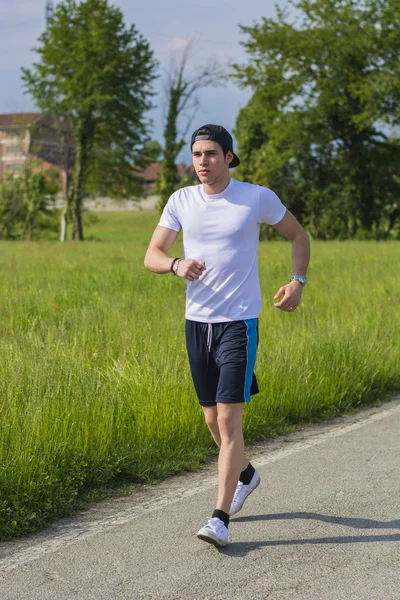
x=225, y=424
x=231, y=454
x=211, y=417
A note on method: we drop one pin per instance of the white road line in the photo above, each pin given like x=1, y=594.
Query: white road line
x=81, y=530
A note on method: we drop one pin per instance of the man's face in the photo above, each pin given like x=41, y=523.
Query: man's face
x=209, y=161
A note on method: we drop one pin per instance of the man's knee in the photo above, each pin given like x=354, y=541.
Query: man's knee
x=230, y=420
x=211, y=416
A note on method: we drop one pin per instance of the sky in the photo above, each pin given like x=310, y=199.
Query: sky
x=167, y=26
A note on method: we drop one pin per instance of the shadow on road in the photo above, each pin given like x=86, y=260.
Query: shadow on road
x=348, y=521
x=244, y=548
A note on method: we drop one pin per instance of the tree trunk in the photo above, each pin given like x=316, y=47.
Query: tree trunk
x=63, y=229
x=78, y=228
x=392, y=220
x=77, y=195
x=66, y=211
x=366, y=206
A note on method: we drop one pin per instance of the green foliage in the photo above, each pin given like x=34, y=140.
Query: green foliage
x=326, y=89
x=98, y=74
x=172, y=145
x=27, y=205
x=189, y=178
x=152, y=152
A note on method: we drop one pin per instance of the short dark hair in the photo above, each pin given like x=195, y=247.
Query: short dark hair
x=207, y=131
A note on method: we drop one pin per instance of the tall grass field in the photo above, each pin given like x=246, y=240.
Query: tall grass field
x=95, y=388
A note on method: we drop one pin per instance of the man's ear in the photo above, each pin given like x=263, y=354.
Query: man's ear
x=229, y=157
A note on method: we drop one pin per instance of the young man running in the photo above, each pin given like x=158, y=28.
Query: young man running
x=220, y=219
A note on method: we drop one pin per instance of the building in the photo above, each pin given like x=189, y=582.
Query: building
x=46, y=140
x=15, y=141
x=153, y=171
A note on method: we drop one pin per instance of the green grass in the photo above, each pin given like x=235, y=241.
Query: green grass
x=94, y=382
x=120, y=226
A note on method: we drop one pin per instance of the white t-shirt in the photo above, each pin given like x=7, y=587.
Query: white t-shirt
x=223, y=231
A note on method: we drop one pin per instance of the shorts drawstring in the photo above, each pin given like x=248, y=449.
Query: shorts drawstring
x=209, y=336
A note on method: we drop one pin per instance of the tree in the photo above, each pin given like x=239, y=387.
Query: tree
x=27, y=204
x=326, y=91
x=152, y=152
x=182, y=101
x=97, y=74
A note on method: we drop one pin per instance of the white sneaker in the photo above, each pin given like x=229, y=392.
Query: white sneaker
x=241, y=493
x=215, y=532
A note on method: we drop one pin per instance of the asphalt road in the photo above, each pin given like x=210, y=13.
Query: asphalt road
x=323, y=524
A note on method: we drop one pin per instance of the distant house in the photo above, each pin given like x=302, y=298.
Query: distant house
x=24, y=135
x=15, y=140
x=153, y=171
x=52, y=141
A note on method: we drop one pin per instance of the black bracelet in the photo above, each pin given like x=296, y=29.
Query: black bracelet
x=172, y=265
x=175, y=269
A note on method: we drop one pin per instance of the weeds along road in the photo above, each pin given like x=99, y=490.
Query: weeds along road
x=323, y=524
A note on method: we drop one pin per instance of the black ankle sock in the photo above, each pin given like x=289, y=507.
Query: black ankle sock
x=221, y=515
x=247, y=475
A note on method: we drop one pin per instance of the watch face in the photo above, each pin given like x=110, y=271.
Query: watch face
x=301, y=278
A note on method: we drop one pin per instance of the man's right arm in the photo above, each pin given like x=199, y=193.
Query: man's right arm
x=157, y=259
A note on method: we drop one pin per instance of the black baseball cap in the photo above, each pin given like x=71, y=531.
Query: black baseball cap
x=216, y=133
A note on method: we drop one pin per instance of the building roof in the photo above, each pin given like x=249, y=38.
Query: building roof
x=154, y=169
x=15, y=119
x=151, y=172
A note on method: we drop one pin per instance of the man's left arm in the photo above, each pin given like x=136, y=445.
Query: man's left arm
x=291, y=229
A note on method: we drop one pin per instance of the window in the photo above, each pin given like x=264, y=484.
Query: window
x=14, y=168
x=12, y=133
x=13, y=149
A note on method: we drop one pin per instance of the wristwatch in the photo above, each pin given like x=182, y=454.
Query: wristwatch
x=301, y=278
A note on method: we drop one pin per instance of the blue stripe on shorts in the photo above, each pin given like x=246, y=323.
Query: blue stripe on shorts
x=251, y=325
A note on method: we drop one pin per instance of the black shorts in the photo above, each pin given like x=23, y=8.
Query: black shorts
x=222, y=358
